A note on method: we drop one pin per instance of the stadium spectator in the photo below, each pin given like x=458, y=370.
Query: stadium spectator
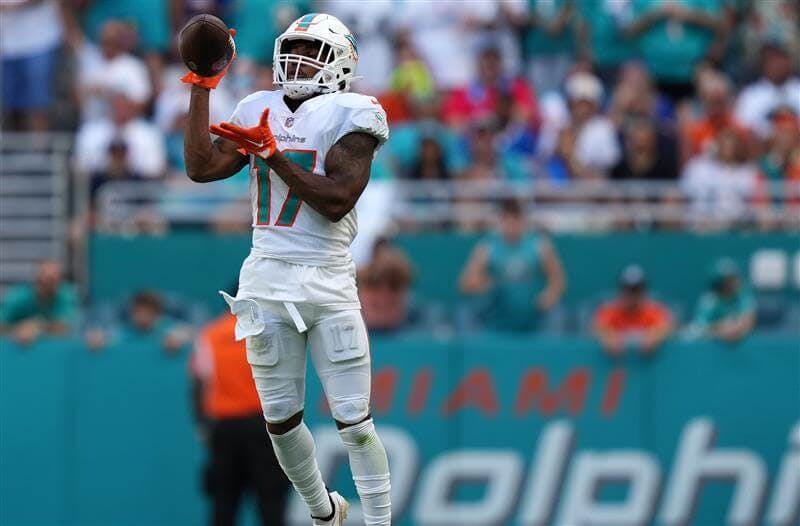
x=763, y=21
x=440, y=33
x=149, y=22
x=46, y=306
x=383, y=288
x=488, y=161
x=258, y=23
x=30, y=37
x=405, y=141
x=410, y=76
x=172, y=108
x=479, y=99
x=431, y=164
x=782, y=151
x=632, y=320
x=723, y=185
x=602, y=36
x=515, y=273
x=648, y=154
x=778, y=86
x=549, y=38
x=370, y=22
x=595, y=149
x=142, y=318
x=143, y=142
x=716, y=114
x=727, y=310
x=109, y=68
x=515, y=135
x=673, y=36
x=635, y=96
x=229, y=416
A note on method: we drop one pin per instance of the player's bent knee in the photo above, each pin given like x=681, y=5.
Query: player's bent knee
x=350, y=411
x=279, y=411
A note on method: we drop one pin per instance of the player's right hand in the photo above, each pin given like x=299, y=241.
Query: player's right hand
x=210, y=82
x=257, y=140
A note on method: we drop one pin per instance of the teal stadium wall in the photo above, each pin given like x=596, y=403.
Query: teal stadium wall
x=196, y=264
x=100, y=439
x=108, y=438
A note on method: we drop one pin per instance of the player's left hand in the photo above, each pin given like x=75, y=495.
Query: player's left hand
x=257, y=140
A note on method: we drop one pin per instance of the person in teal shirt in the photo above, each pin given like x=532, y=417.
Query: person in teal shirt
x=259, y=22
x=143, y=319
x=150, y=17
x=727, y=311
x=549, y=36
x=46, y=306
x=673, y=37
x=516, y=272
x=602, y=37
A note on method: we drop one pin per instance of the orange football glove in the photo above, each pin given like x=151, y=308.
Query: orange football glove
x=210, y=82
x=257, y=140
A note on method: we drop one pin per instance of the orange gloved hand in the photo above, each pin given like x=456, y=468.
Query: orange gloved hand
x=211, y=82
x=257, y=140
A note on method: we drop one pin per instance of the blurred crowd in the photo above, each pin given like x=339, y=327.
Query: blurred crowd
x=701, y=93
x=704, y=94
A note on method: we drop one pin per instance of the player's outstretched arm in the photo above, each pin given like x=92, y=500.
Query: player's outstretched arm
x=347, y=168
x=207, y=161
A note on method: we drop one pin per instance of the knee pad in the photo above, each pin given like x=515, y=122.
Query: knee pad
x=340, y=349
x=277, y=361
x=349, y=411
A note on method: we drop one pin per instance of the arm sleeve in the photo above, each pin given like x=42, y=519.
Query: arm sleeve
x=370, y=119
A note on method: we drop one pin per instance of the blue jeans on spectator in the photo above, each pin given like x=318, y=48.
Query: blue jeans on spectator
x=28, y=81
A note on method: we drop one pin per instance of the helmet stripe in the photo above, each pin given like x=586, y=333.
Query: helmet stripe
x=305, y=21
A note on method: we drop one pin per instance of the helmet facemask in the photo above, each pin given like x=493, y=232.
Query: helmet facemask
x=333, y=71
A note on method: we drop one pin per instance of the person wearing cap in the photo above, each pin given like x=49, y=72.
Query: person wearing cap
x=516, y=273
x=632, y=320
x=596, y=148
x=727, y=311
x=778, y=86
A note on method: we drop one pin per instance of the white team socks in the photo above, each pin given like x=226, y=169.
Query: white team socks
x=295, y=452
x=370, y=469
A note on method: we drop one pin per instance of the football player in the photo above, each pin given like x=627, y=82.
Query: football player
x=309, y=146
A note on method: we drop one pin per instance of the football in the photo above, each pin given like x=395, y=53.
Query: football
x=205, y=45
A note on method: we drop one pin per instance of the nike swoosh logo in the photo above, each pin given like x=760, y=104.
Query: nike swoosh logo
x=256, y=144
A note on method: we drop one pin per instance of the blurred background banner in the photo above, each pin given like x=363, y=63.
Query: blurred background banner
x=488, y=430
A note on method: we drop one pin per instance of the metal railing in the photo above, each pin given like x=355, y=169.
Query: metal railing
x=34, y=202
x=578, y=206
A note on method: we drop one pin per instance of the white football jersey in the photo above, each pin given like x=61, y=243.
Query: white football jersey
x=284, y=227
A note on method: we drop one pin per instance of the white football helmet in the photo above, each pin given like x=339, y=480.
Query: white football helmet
x=335, y=62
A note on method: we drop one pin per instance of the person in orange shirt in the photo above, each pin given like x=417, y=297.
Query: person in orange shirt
x=230, y=416
x=632, y=320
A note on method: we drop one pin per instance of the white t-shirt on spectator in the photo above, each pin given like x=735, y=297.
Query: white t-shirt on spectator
x=596, y=145
x=718, y=191
x=124, y=73
x=29, y=30
x=145, y=143
x=757, y=100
